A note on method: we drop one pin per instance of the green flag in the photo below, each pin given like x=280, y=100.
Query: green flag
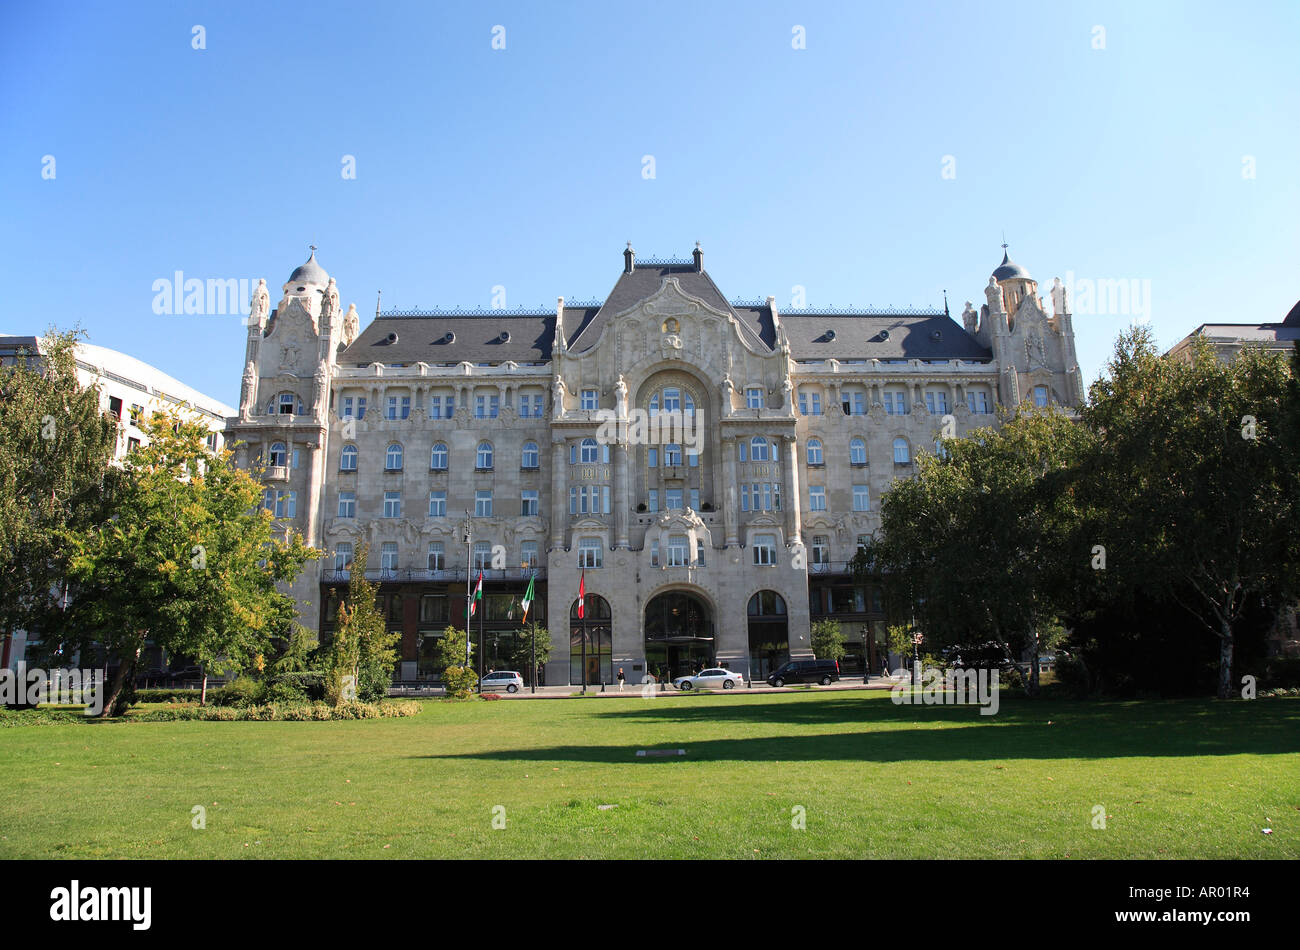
x=528, y=600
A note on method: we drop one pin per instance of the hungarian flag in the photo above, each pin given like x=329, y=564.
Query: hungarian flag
x=478, y=594
x=582, y=593
x=527, y=601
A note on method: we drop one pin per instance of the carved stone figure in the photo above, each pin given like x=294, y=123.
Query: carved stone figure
x=969, y=318
x=258, y=306
x=620, y=397
x=994, y=294
x=351, y=325
x=247, y=389
x=557, y=398
x=318, y=387
x=329, y=308
x=1059, y=299
x=787, y=396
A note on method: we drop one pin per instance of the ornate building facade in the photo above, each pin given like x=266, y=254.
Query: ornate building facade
x=707, y=468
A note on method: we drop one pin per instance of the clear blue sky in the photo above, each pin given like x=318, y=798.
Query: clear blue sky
x=818, y=167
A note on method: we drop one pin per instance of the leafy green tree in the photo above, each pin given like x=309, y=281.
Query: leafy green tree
x=186, y=560
x=827, y=640
x=56, y=445
x=450, y=649
x=532, y=637
x=363, y=646
x=1194, y=489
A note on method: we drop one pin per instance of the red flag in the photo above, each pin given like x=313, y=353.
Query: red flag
x=582, y=593
x=478, y=594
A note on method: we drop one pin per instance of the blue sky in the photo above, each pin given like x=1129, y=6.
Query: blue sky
x=819, y=167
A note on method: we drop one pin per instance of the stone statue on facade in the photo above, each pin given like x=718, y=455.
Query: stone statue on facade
x=994, y=294
x=557, y=398
x=620, y=397
x=1059, y=299
x=351, y=325
x=246, y=390
x=318, y=387
x=259, y=305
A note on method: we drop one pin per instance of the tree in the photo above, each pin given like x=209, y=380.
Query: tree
x=450, y=649
x=532, y=637
x=827, y=640
x=1194, y=489
x=55, y=448
x=186, y=559
x=363, y=647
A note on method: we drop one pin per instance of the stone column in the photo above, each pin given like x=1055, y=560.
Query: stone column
x=729, y=520
x=315, y=463
x=790, y=470
x=559, y=490
x=622, y=499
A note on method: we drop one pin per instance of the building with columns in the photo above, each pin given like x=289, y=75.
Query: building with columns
x=709, y=466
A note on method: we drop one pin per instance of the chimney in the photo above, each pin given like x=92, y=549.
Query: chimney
x=699, y=258
x=628, y=257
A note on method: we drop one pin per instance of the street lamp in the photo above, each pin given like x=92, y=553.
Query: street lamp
x=468, y=536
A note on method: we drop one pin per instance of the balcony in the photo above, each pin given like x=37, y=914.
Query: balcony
x=444, y=575
x=276, y=473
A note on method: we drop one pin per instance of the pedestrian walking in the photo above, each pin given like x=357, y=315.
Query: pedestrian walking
x=621, y=679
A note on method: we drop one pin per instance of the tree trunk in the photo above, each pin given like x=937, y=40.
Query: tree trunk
x=1225, y=660
x=124, y=670
x=203, y=690
x=1033, y=666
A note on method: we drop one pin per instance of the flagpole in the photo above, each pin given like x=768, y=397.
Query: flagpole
x=482, y=611
x=582, y=618
x=469, y=579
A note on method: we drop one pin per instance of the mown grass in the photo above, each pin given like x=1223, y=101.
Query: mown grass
x=1187, y=779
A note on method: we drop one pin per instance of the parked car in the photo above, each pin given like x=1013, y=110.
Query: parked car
x=710, y=679
x=508, y=680
x=805, y=671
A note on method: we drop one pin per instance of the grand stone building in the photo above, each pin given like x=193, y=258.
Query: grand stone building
x=710, y=466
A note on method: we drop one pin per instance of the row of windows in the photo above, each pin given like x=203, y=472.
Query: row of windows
x=435, y=559
x=486, y=406
x=484, y=457
x=894, y=400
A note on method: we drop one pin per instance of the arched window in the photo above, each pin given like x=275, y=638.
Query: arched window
x=902, y=454
x=530, y=457
x=589, y=451
x=654, y=404
x=438, y=457
x=1040, y=396
x=278, y=453
x=688, y=404
x=758, y=449
x=857, y=452
x=766, y=603
x=672, y=455
x=393, y=458
x=483, y=460
x=815, y=452
x=348, y=458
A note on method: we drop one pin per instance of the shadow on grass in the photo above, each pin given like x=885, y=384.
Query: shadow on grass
x=1022, y=729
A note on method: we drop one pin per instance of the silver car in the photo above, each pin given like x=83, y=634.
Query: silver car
x=710, y=679
x=508, y=680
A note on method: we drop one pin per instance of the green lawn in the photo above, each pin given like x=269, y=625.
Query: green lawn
x=1177, y=779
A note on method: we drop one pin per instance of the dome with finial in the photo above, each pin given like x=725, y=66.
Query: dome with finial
x=1009, y=269
x=309, y=272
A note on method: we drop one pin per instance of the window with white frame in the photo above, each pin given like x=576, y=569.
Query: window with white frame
x=483, y=503
x=354, y=407
x=589, y=553
x=861, y=498
x=677, y=549
x=388, y=557
x=672, y=455
x=820, y=550
x=589, y=451
x=673, y=499
x=815, y=452
x=399, y=407
x=857, y=452
x=530, y=406
x=1040, y=396
x=278, y=454
x=487, y=405
x=977, y=401
x=588, y=399
x=393, y=458
x=435, y=556
x=652, y=500
x=765, y=550
x=816, y=497
x=530, y=457
x=895, y=401
x=528, y=502
x=902, y=453
x=438, y=504
x=343, y=555
x=347, y=504
x=442, y=407
x=810, y=401
x=482, y=555
x=936, y=401
x=392, y=504
x=699, y=552
x=528, y=554
x=286, y=504
x=654, y=552
x=758, y=449
x=483, y=458
x=753, y=398
x=438, y=457
x=855, y=402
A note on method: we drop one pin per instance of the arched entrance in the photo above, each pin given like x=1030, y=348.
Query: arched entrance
x=769, y=633
x=590, y=641
x=678, y=635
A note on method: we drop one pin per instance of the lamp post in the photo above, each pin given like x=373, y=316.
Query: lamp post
x=866, y=657
x=468, y=534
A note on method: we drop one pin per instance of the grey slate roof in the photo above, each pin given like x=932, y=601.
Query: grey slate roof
x=1009, y=268
x=1251, y=332
x=1292, y=319
x=880, y=336
x=309, y=272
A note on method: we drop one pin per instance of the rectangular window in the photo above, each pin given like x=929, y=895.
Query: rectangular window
x=573, y=500
x=977, y=402
x=695, y=499
x=677, y=551
x=654, y=553
x=528, y=502
x=936, y=401
x=753, y=398
x=137, y=415
x=437, y=504
x=343, y=556
x=286, y=503
x=821, y=550
x=435, y=556
x=589, y=553
x=652, y=502
x=744, y=497
x=487, y=406
x=482, y=555
x=347, y=504
x=810, y=402
x=673, y=499
x=765, y=550
x=699, y=552
x=589, y=397
x=895, y=402
x=1040, y=396
x=388, y=557
x=816, y=498
x=861, y=498
x=115, y=407
x=528, y=554
x=392, y=504
x=483, y=503
x=433, y=608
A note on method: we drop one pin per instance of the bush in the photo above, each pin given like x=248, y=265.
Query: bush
x=274, y=712
x=309, y=682
x=1282, y=672
x=161, y=695
x=287, y=694
x=244, y=691
x=1072, y=675
x=459, y=681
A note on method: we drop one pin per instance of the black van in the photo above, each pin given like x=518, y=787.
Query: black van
x=805, y=671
